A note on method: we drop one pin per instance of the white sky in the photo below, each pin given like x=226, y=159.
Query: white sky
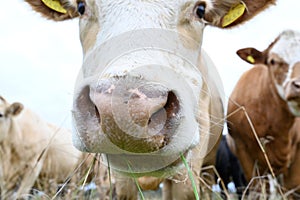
x=40, y=59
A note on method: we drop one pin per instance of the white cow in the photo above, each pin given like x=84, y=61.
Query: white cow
x=30, y=148
x=147, y=94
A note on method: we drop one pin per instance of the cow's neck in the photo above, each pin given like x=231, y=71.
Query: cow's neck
x=268, y=110
x=276, y=135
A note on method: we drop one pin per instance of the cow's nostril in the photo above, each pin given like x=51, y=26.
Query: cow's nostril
x=296, y=84
x=97, y=114
x=172, y=105
x=162, y=120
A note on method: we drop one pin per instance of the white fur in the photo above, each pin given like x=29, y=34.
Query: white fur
x=288, y=49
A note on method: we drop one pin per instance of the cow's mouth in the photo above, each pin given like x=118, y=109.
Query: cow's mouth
x=153, y=165
x=294, y=106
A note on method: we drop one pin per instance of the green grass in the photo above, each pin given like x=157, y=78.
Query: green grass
x=190, y=173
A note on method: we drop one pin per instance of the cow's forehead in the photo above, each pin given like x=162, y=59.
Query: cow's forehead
x=113, y=18
x=166, y=3
x=157, y=10
x=287, y=47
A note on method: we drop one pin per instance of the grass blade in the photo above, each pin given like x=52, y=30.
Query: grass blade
x=190, y=176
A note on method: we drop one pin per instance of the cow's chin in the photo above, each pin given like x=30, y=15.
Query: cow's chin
x=294, y=107
x=145, y=165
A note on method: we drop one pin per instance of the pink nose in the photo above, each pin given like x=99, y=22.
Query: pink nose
x=138, y=117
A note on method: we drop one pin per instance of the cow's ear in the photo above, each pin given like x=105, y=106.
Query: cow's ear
x=57, y=10
x=229, y=13
x=251, y=55
x=15, y=109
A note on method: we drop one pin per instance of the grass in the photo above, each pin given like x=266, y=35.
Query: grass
x=190, y=176
x=104, y=187
x=90, y=173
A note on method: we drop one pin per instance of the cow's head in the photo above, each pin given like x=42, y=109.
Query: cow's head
x=7, y=112
x=282, y=58
x=144, y=86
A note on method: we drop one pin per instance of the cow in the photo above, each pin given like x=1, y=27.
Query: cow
x=270, y=95
x=147, y=96
x=32, y=149
x=229, y=167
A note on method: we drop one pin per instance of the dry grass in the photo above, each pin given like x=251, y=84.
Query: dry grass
x=102, y=187
x=91, y=172
x=263, y=187
x=89, y=180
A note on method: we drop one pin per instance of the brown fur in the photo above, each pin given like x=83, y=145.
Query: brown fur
x=47, y=12
x=253, y=7
x=276, y=127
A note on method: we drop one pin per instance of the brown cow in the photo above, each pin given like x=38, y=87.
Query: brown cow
x=147, y=94
x=270, y=94
x=31, y=148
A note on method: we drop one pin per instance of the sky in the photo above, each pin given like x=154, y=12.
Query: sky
x=40, y=59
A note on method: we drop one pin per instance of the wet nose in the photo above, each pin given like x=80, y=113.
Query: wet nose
x=293, y=90
x=135, y=115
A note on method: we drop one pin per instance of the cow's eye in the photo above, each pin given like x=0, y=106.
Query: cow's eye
x=81, y=7
x=200, y=10
x=272, y=62
x=1, y=115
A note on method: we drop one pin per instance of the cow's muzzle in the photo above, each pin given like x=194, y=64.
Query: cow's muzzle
x=293, y=90
x=135, y=115
x=145, y=117
x=292, y=96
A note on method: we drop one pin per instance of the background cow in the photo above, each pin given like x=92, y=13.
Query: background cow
x=131, y=106
x=229, y=167
x=32, y=150
x=270, y=94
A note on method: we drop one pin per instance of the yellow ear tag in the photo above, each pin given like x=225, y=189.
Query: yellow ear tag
x=233, y=14
x=251, y=59
x=55, y=5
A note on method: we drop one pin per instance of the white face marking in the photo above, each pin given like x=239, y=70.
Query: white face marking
x=288, y=49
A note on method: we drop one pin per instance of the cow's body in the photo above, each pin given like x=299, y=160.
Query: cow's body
x=229, y=167
x=269, y=94
x=31, y=148
x=147, y=94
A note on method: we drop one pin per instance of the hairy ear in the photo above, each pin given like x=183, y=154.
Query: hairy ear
x=229, y=13
x=56, y=10
x=251, y=55
x=14, y=109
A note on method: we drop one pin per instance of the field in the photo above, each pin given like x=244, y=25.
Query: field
x=95, y=182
